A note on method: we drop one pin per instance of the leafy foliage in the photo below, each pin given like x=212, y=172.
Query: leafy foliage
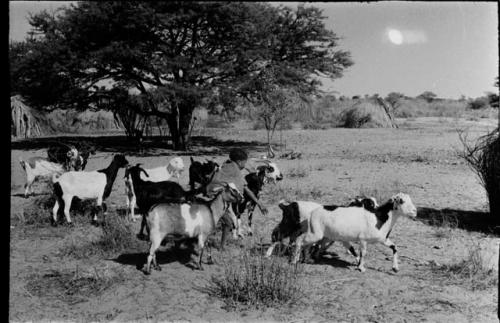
x=174, y=54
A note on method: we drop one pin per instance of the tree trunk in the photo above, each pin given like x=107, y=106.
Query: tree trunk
x=179, y=130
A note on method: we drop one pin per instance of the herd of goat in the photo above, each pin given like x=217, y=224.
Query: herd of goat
x=167, y=210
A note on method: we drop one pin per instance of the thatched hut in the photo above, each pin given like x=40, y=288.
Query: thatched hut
x=25, y=121
x=371, y=113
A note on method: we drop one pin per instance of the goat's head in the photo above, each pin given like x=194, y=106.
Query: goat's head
x=209, y=168
x=270, y=170
x=403, y=205
x=135, y=171
x=175, y=166
x=369, y=203
x=290, y=222
x=120, y=160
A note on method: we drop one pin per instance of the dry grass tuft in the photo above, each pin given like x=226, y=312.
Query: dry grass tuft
x=71, y=287
x=470, y=271
x=117, y=236
x=253, y=281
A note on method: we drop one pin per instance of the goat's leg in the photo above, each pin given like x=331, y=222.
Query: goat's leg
x=270, y=250
x=155, y=244
x=144, y=224
x=251, y=208
x=132, y=208
x=210, y=261
x=390, y=244
x=201, y=245
x=67, y=205
x=98, y=209
x=54, y=212
x=362, y=255
x=351, y=249
x=298, y=247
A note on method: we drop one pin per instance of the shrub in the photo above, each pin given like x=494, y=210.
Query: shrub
x=478, y=103
x=255, y=281
x=483, y=157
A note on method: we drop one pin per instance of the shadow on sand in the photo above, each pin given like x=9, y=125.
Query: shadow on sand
x=152, y=146
x=172, y=254
x=468, y=220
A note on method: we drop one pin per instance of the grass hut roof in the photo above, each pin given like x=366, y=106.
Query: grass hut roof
x=372, y=113
x=25, y=121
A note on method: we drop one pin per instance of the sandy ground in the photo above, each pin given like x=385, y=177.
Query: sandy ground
x=419, y=159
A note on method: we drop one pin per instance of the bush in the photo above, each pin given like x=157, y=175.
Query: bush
x=484, y=158
x=255, y=281
x=478, y=103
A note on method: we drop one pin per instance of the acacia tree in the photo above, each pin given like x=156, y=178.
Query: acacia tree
x=179, y=52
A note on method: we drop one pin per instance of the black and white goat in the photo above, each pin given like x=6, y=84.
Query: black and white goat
x=201, y=173
x=348, y=224
x=149, y=193
x=159, y=174
x=86, y=185
x=72, y=156
x=255, y=182
x=193, y=220
x=38, y=168
x=295, y=221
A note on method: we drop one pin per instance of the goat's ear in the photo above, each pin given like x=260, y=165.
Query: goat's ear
x=191, y=157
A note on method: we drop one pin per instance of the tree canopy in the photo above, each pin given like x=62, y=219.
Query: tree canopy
x=173, y=54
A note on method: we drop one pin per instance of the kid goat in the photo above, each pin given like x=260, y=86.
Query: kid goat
x=37, y=168
x=163, y=173
x=85, y=185
x=194, y=220
x=357, y=224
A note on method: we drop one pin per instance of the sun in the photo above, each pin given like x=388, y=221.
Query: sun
x=395, y=36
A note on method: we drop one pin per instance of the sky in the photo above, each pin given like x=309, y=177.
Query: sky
x=449, y=48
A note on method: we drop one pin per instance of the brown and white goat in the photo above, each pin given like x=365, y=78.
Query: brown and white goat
x=193, y=220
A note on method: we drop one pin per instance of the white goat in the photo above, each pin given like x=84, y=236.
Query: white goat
x=194, y=220
x=295, y=221
x=85, y=185
x=159, y=174
x=357, y=224
x=38, y=168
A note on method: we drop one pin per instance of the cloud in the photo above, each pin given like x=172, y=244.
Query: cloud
x=413, y=36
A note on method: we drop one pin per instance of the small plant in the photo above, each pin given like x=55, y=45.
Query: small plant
x=254, y=281
x=470, y=270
